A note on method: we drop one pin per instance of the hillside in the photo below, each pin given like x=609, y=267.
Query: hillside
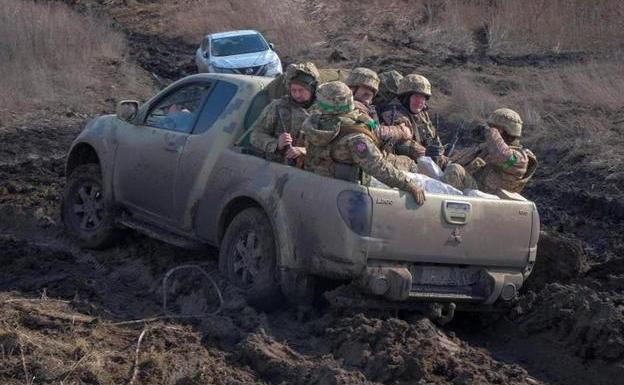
x=65, y=311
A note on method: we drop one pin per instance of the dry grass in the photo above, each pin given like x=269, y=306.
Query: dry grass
x=514, y=27
x=283, y=22
x=47, y=51
x=576, y=110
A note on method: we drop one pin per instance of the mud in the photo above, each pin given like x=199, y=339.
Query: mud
x=63, y=310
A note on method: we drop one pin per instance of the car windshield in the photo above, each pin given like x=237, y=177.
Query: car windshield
x=236, y=45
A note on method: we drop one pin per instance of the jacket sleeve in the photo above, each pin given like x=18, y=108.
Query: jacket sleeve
x=263, y=133
x=366, y=155
x=410, y=148
x=393, y=117
x=508, y=159
x=394, y=133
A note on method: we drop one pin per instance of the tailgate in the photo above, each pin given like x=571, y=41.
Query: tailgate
x=450, y=229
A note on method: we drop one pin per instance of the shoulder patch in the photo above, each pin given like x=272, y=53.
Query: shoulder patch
x=360, y=147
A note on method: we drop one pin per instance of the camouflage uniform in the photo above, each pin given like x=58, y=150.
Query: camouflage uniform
x=364, y=77
x=283, y=115
x=388, y=88
x=495, y=165
x=423, y=132
x=277, y=88
x=339, y=142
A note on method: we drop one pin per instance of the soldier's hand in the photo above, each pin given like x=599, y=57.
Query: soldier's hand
x=414, y=149
x=418, y=194
x=405, y=131
x=443, y=161
x=295, y=152
x=284, y=140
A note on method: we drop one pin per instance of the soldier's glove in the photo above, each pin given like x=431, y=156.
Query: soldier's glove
x=418, y=194
x=434, y=151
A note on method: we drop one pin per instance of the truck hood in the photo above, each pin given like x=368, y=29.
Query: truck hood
x=244, y=60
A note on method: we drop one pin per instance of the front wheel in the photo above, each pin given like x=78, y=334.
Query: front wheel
x=86, y=214
x=248, y=258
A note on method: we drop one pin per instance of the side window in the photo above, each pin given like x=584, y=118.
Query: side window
x=178, y=110
x=219, y=98
x=204, y=44
x=259, y=102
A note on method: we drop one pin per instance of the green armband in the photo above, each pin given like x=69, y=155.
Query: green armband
x=510, y=162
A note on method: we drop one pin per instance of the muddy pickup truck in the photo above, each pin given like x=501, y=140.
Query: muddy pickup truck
x=179, y=168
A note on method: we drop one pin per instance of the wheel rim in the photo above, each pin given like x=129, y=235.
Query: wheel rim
x=247, y=257
x=88, y=208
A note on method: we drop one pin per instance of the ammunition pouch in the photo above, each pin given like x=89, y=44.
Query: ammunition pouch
x=475, y=165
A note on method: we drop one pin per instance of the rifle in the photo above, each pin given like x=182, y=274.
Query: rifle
x=290, y=162
x=450, y=147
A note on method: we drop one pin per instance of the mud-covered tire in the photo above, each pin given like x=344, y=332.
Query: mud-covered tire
x=248, y=258
x=86, y=214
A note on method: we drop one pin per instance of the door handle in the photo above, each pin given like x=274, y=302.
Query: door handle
x=172, y=146
x=173, y=143
x=456, y=212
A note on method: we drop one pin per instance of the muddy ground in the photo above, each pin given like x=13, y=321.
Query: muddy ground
x=68, y=315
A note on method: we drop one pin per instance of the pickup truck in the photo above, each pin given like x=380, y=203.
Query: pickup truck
x=179, y=168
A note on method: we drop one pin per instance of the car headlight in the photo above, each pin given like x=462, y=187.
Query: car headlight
x=275, y=65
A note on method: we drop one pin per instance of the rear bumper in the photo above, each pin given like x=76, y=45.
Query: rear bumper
x=442, y=283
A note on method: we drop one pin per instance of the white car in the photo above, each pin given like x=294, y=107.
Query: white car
x=243, y=52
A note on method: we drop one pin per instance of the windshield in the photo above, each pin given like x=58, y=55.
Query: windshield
x=236, y=45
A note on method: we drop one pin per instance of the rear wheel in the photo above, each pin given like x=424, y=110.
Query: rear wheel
x=86, y=214
x=248, y=258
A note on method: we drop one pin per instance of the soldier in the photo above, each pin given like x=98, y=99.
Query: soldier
x=499, y=163
x=340, y=143
x=276, y=132
x=388, y=88
x=410, y=108
x=364, y=84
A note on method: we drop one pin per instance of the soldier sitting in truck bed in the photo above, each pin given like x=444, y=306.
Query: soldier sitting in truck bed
x=341, y=145
x=364, y=84
x=499, y=163
x=276, y=132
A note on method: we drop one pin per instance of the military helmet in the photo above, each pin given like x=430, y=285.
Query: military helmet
x=363, y=77
x=334, y=98
x=507, y=119
x=305, y=74
x=415, y=84
x=389, y=81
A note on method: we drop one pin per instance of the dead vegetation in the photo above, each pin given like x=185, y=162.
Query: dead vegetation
x=575, y=114
x=283, y=22
x=47, y=51
x=576, y=110
x=497, y=27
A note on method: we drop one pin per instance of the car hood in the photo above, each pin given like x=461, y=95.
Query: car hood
x=244, y=60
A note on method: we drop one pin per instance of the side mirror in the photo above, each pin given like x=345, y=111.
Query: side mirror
x=127, y=110
x=272, y=46
x=206, y=54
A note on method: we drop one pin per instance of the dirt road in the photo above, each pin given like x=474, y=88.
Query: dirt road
x=64, y=311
